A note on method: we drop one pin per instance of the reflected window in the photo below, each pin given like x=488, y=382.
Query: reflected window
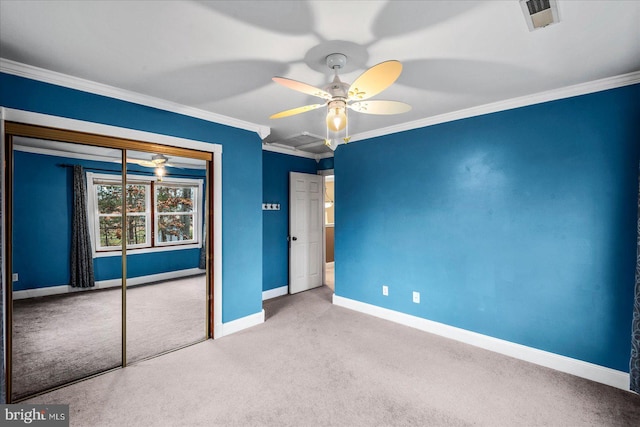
x=108, y=214
x=175, y=213
x=159, y=214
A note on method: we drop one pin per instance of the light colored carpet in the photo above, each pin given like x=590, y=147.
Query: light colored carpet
x=61, y=338
x=313, y=363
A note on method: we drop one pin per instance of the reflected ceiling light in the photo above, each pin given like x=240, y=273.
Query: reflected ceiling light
x=160, y=173
x=341, y=96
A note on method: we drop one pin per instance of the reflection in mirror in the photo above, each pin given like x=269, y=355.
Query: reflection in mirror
x=67, y=317
x=166, y=272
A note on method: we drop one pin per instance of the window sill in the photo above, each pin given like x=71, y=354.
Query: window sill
x=147, y=250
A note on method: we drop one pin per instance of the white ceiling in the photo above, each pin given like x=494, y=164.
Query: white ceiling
x=220, y=56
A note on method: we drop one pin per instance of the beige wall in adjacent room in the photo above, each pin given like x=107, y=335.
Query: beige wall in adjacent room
x=329, y=219
x=329, y=195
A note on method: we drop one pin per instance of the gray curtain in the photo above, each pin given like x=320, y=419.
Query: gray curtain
x=81, y=256
x=634, y=370
x=203, y=250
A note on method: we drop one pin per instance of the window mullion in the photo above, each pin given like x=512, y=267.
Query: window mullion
x=153, y=210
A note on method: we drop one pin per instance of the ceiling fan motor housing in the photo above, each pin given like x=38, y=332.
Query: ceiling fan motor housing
x=337, y=88
x=159, y=159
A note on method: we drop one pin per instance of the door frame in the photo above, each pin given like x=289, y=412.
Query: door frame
x=28, y=123
x=325, y=173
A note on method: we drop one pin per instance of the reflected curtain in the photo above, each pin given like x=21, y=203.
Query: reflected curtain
x=203, y=249
x=81, y=255
x=634, y=370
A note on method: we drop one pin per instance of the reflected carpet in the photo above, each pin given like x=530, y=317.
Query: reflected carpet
x=61, y=338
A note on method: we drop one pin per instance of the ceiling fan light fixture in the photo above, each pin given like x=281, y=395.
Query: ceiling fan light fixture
x=337, y=115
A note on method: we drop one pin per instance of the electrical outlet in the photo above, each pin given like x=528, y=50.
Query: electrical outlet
x=385, y=290
x=416, y=297
x=14, y=277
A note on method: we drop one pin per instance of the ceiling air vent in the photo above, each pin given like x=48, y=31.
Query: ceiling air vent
x=540, y=13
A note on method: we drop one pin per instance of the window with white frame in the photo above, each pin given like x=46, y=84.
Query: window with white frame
x=175, y=213
x=159, y=214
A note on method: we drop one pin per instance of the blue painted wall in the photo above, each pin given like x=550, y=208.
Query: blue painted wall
x=241, y=172
x=275, y=189
x=520, y=225
x=326, y=163
x=42, y=226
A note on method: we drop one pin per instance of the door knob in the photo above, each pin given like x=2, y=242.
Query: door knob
x=294, y=238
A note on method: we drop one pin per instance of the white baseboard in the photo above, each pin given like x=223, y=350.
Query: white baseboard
x=331, y=264
x=273, y=293
x=102, y=284
x=590, y=371
x=238, y=325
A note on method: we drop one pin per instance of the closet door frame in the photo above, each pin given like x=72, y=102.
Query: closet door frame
x=35, y=125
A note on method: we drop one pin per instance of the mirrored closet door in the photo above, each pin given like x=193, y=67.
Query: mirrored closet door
x=67, y=316
x=166, y=270
x=86, y=211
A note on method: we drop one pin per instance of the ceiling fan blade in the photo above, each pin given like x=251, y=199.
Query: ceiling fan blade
x=375, y=80
x=380, y=107
x=295, y=111
x=302, y=87
x=146, y=163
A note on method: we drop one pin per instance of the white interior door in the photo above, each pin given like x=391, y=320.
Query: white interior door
x=306, y=206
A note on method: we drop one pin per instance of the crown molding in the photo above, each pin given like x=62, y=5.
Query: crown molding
x=283, y=149
x=509, y=104
x=59, y=79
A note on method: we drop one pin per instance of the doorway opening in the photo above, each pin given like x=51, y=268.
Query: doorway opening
x=329, y=231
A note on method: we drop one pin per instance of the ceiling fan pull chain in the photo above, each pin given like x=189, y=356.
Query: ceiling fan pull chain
x=346, y=129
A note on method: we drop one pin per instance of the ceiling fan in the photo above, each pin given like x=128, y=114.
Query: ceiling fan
x=340, y=96
x=157, y=161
